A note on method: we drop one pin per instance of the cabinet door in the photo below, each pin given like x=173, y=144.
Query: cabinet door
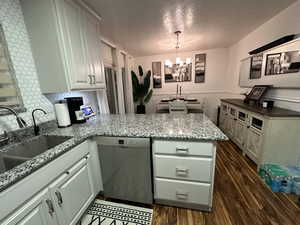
x=231, y=126
x=73, y=192
x=74, y=40
x=254, y=141
x=93, y=49
x=241, y=134
x=38, y=211
x=223, y=121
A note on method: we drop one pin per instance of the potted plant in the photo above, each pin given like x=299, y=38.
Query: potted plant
x=141, y=92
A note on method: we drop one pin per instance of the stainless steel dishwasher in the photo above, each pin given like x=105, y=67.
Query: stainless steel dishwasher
x=126, y=168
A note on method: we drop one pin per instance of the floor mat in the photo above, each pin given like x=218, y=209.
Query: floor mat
x=109, y=213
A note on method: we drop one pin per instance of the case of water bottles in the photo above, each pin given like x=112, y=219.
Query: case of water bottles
x=280, y=178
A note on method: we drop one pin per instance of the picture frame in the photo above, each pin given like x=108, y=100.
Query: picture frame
x=156, y=75
x=185, y=75
x=257, y=92
x=200, y=67
x=256, y=66
x=282, y=63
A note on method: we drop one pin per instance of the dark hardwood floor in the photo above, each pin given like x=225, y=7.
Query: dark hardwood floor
x=240, y=197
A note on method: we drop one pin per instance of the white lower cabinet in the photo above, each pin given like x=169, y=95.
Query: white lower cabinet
x=72, y=192
x=34, y=212
x=253, y=145
x=241, y=134
x=183, y=191
x=184, y=173
x=193, y=169
x=75, y=180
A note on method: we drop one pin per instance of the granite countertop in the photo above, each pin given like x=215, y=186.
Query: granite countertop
x=191, y=127
x=274, y=112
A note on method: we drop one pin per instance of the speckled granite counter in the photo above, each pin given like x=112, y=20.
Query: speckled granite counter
x=192, y=127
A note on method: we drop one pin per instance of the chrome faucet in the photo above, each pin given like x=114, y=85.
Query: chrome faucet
x=36, y=128
x=4, y=138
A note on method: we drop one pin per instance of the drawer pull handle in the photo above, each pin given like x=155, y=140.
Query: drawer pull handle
x=182, y=150
x=59, y=198
x=50, y=207
x=182, y=172
x=181, y=195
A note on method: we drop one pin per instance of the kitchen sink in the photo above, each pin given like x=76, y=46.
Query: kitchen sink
x=28, y=150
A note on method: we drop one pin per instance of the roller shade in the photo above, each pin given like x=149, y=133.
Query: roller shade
x=9, y=93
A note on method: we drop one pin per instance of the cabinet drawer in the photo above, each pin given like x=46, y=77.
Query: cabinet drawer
x=183, y=191
x=191, y=168
x=183, y=148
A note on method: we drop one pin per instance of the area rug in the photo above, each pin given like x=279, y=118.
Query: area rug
x=110, y=213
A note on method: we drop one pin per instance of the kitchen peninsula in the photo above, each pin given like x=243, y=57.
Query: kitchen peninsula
x=183, y=153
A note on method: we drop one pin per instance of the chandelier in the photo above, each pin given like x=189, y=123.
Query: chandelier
x=180, y=67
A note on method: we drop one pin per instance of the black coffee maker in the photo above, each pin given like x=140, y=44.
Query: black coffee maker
x=76, y=114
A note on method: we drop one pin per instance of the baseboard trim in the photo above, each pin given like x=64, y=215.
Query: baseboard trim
x=183, y=205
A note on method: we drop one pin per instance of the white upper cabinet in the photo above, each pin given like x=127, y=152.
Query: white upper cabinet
x=93, y=48
x=65, y=40
x=74, y=39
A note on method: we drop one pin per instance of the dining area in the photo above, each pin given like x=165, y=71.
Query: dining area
x=179, y=105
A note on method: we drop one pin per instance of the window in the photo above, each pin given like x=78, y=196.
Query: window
x=9, y=92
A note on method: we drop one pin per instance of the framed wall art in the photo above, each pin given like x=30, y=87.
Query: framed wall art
x=156, y=72
x=282, y=63
x=256, y=66
x=200, y=65
x=178, y=73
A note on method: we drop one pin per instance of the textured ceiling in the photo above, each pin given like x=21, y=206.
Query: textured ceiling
x=145, y=27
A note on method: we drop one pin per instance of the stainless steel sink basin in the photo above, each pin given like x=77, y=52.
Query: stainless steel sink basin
x=28, y=150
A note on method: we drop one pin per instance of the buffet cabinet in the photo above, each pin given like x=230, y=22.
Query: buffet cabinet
x=66, y=45
x=262, y=138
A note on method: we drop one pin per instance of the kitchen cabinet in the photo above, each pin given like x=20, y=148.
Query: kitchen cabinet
x=76, y=181
x=73, y=16
x=65, y=41
x=263, y=138
x=223, y=115
x=253, y=146
x=231, y=121
x=183, y=173
x=56, y=194
x=35, y=212
x=93, y=45
x=241, y=134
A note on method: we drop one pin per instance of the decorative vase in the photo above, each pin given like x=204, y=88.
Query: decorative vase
x=140, y=109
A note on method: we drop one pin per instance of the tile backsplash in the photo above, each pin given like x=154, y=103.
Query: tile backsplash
x=11, y=18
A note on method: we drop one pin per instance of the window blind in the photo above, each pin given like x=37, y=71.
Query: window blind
x=9, y=94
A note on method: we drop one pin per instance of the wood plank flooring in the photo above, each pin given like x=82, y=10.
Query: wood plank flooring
x=240, y=197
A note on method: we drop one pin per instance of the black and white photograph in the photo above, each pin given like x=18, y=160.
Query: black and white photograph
x=156, y=71
x=283, y=63
x=290, y=62
x=273, y=64
x=256, y=66
x=178, y=73
x=200, y=64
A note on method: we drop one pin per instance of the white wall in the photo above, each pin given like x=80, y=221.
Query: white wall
x=284, y=23
x=209, y=92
